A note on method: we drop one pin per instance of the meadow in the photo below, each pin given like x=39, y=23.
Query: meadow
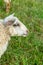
x=25, y=50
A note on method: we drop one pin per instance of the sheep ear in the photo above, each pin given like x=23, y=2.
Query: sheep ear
x=9, y=20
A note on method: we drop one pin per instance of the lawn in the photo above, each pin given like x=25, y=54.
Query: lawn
x=25, y=50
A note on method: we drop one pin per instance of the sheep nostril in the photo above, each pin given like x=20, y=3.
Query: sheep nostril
x=27, y=31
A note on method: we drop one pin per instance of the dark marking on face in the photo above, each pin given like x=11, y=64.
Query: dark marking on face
x=16, y=25
x=10, y=22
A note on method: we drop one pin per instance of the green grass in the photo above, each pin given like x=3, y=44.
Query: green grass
x=28, y=50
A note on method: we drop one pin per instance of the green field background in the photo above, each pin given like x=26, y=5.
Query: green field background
x=25, y=50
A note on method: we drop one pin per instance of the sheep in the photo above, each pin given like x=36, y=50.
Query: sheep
x=10, y=26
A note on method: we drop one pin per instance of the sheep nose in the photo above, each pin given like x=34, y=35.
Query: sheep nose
x=27, y=31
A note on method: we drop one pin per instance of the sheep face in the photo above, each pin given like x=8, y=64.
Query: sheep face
x=16, y=27
x=10, y=26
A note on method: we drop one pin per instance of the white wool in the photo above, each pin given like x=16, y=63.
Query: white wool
x=3, y=48
x=4, y=37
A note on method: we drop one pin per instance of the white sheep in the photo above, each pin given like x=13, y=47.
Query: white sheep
x=10, y=26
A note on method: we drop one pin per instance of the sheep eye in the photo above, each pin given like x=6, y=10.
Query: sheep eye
x=16, y=25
